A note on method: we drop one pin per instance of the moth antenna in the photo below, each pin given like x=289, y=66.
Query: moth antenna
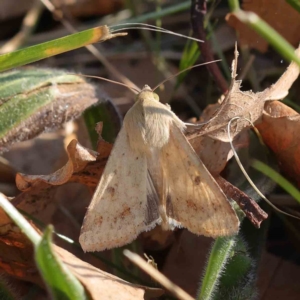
x=149, y=27
x=109, y=80
x=246, y=174
x=189, y=68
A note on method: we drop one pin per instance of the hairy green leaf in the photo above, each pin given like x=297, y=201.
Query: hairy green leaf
x=36, y=100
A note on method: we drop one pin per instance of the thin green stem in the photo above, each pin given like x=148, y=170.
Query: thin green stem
x=234, y=5
x=269, y=34
x=276, y=177
x=19, y=220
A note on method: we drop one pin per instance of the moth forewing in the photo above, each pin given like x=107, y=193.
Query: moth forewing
x=193, y=198
x=119, y=208
x=153, y=176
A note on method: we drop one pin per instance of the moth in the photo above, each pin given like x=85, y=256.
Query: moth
x=153, y=176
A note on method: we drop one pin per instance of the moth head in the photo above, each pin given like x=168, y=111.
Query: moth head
x=147, y=94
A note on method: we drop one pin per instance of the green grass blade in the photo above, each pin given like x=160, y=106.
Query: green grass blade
x=276, y=177
x=269, y=34
x=190, y=55
x=61, y=283
x=35, y=53
x=19, y=220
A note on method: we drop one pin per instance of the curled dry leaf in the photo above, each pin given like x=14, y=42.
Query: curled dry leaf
x=280, y=89
x=212, y=141
x=78, y=159
x=280, y=129
x=275, y=13
x=215, y=153
x=84, y=166
x=250, y=105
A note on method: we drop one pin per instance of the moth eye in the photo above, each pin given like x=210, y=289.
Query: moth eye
x=156, y=97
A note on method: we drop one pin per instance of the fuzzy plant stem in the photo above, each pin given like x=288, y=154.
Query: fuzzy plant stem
x=219, y=255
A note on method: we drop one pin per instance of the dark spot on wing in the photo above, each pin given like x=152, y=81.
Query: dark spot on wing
x=152, y=208
x=169, y=207
x=191, y=204
x=126, y=212
x=98, y=220
x=152, y=213
x=197, y=180
x=111, y=190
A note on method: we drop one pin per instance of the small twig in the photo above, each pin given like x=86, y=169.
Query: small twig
x=159, y=277
x=28, y=26
x=251, y=209
x=91, y=48
x=198, y=12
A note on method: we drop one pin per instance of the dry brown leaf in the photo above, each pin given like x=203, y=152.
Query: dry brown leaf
x=79, y=157
x=280, y=129
x=214, y=153
x=235, y=104
x=37, y=197
x=245, y=104
x=157, y=239
x=278, y=14
x=186, y=259
x=280, y=89
x=102, y=285
x=16, y=253
x=17, y=260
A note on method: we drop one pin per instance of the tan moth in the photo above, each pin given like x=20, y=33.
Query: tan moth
x=153, y=176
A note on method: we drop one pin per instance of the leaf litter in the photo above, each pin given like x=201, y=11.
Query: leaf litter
x=85, y=166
